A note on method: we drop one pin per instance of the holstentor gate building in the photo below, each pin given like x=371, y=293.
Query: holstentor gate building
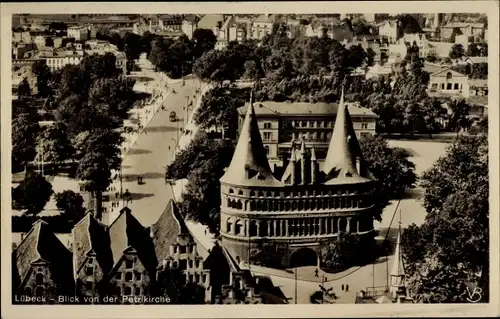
x=310, y=204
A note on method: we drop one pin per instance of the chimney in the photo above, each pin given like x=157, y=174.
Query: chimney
x=151, y=232
x=249, y=293
x=358, y=165
x=22, y=236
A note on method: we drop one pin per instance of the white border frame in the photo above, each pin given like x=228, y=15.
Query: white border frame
x=255, y=311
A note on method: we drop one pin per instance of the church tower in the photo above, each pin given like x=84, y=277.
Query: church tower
x=398, y=287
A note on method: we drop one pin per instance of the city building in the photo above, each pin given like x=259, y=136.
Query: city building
x=377, y=71
x=230, y=283
x=263, y=25
x=170, y=22
x=124, y=260
x=41, y=266
x=390, y=31
x=79, y=33
x=283, y=124
x=189, y=25
x=289, y=217
x=176, y=248
x=338, y=31
x=475, y=30
x=448, y=81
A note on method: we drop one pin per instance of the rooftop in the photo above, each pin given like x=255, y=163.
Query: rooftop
x=303, y=108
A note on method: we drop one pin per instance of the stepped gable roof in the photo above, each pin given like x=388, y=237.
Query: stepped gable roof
x=127, y=233
x=166, y=230
x=90, y=235
x=41, y=244
x=398, y=269
x=249, y=165
x=340, y=162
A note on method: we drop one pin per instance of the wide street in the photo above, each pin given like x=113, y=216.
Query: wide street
x=153, y=151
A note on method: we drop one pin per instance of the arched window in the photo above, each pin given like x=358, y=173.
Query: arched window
x=448, y=75
x=253, y=228
x=175, y=264
x=252, y=206
x=264, y=205
x=228, y=202
x=287, y=206
x=294, y=205
x=261, y=194
x=240, y=205
x=228, y=226
x=252, y=193
x=240, y=192
x=238, y=227
x=267, y=149
x=231, y=191
x=301, y=205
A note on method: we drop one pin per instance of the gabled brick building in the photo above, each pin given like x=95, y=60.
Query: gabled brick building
x=41, y=267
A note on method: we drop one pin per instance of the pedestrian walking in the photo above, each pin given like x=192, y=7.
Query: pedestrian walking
x=316, y=272
x=116, y=194
x=169, y=147
x=342, y=287
x=346, y=288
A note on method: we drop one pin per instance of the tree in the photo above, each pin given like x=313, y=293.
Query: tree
x=356, y=56
x=459, y=118
x=251, y=70
x=341, y=253
x=99, y=154
x=219, y=109
x=370, y=56
x=479, y=71
x=33, y=193
x=452, y=245
x=456, y=52
x=54, y=145
x=432, y=112
x=24, y=133
x=23, y=89
x=132, y=44
x=217, y=66
x=203, y=163
x=71, y=204
x=43, y=77
x=409, y=24
x=203, y=41
x=473, y=50
x=391, y=166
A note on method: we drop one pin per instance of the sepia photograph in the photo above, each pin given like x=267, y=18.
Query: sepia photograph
x=257, y=158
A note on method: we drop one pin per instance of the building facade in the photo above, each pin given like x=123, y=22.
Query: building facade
x=448, y=81
x=282, y=125
x=79, y=33
x=290, y=216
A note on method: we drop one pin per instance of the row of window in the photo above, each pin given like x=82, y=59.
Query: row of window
x=449, y=86
x=129, y=276
x=306, y=193
x=335, y=203
x=183, y=249
x=309, y=124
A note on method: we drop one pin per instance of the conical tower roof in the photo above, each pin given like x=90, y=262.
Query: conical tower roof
x=249, y=165
x=398, y=269
x=344, y=151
